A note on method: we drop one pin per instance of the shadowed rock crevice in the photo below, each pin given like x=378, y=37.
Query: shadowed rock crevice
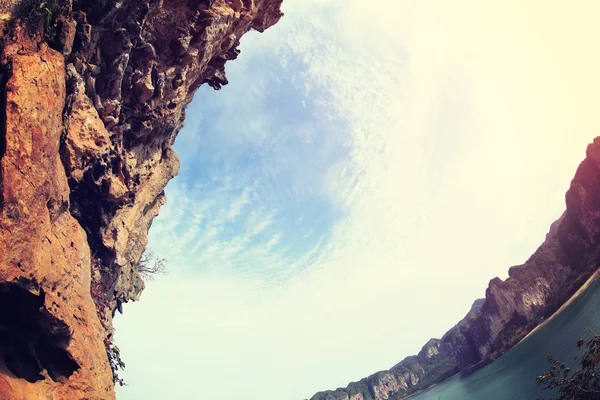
x=4, y=75
x=31, y=339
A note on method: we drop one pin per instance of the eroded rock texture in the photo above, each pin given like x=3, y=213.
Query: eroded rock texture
x=511, y=308
x=92, y=95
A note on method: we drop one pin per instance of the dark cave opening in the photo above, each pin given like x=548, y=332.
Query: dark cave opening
x=31, y=339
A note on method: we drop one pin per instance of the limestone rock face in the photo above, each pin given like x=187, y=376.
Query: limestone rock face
x=135, y=68
x=511, y=308
x=43, y=250
x=91, y=100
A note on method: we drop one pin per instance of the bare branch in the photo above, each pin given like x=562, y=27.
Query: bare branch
x=149, y=266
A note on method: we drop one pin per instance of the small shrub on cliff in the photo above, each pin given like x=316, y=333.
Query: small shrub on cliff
x=581, y=384
x=114, y=358
x=98, y=291
x=149, y=265
x=41, y=16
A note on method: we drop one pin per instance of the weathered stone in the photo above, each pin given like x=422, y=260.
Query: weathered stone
x=44, y=250
x=144, y=89
x=68, y=27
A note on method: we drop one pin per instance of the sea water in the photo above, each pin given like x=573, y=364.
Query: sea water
x=512, y=376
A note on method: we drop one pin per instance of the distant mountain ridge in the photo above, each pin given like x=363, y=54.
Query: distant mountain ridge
x=511, y=308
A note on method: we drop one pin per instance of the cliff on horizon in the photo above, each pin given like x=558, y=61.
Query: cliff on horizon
x=511, y=308
x=93, y=94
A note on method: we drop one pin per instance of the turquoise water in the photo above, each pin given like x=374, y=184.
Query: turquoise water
x=512, y=376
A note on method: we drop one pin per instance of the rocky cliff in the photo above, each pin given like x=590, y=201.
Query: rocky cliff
x=92, y=95
x=511, y=308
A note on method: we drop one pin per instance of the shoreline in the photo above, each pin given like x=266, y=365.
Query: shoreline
x=575, y=295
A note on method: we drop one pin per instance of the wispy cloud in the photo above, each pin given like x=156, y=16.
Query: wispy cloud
x=364, y=162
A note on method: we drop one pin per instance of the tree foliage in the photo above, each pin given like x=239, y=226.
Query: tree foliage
x=582, y=383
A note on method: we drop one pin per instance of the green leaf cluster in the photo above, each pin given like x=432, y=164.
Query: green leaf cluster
x=581, y=379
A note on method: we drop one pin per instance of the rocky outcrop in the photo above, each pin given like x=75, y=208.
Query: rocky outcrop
x=92, y=95
x=131, y=72
x=511, y=308
x=45, y=258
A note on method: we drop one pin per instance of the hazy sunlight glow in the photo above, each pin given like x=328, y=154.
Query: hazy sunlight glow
x=352, y=191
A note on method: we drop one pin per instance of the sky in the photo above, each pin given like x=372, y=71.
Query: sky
x=351, y=192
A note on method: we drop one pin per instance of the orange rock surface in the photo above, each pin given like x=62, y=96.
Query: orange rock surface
x=91, y=99
x=43, y=248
